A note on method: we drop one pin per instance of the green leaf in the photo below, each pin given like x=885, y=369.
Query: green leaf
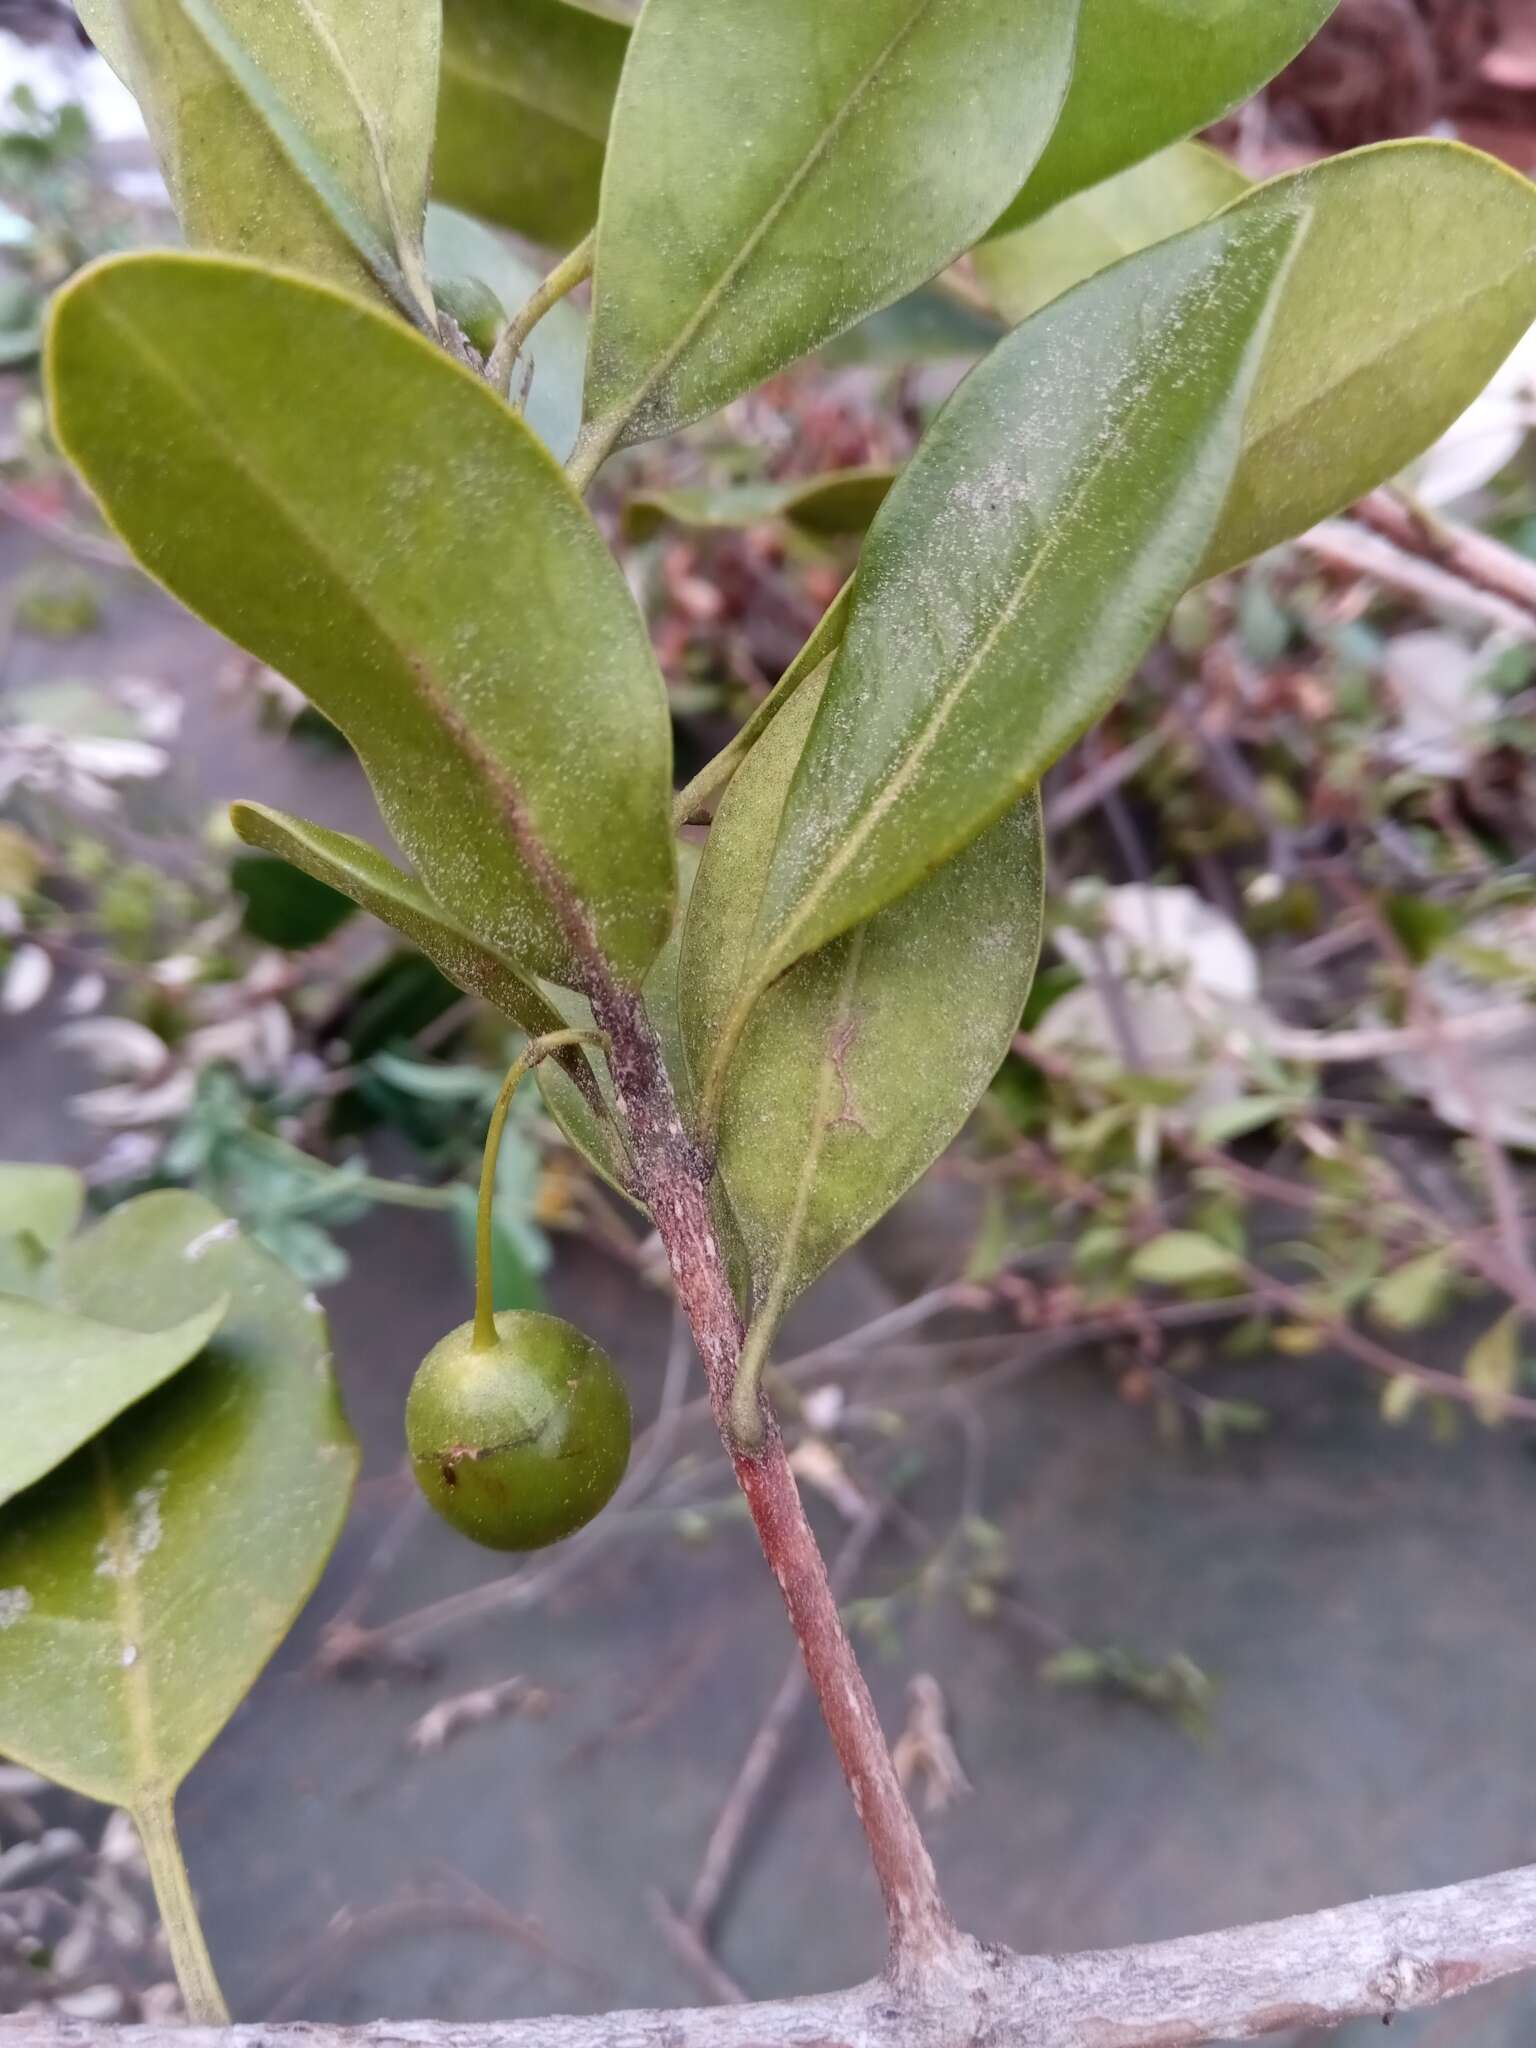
x=1025, y=270
x=1183, y=1258
x=301, y=134
x=880, y=139
x=1018, y=570
x=379, y=887
x=407, y=553
x=1493, y=1367
x=43, y=1201
x=843, y=501
x=144, y=1583
x=1151, y=71
x=858, y=1067
x=1438, y=247
x=1415, y=1293
x=458, y=247
x=284, y=906
x=1225, y=1121
x=522, y=119
x=64, y=1377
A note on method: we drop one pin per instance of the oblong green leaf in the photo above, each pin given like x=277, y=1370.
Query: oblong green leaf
x=64, y=1377
x=522, y=120
x=386, y=892
x=301, y=134
x=367, y=517
x=880, y=139
x=458, y=247
x=144, y=1583
x=858, y=1067
x=1417, y=278
x=842, y=501
x=1022, y=564
x=1177, y=189
x=1151, y=71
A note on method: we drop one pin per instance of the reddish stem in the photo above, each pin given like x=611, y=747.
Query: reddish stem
x=675, y=1180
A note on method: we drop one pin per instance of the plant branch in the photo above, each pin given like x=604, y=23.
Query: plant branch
x=1371, y=1960
x=675, y=1181
x=569, y=272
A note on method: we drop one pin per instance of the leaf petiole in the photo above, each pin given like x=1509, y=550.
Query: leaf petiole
x=156, y=1823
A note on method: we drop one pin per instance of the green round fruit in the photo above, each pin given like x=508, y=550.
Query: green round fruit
x=519, y=1445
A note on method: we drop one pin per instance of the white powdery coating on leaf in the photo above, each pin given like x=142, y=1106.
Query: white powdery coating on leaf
x=15, y=1603
x=216, y=1233
x=121, y=1562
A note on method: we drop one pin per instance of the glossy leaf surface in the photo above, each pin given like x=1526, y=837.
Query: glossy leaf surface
x=1152, y=71
x=301, y=134
x=1416, y=279
x=777, y=171
x=1025, y=270
x=458, y=247
x=144, y=1583
x=339, y=497
x=1022, y=564
x=63, y=1377
x=527, y=91
x=859, y=1066
x=842, y=501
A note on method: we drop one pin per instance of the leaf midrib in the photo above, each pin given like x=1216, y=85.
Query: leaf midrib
x=627, y=407
x=146, y=1765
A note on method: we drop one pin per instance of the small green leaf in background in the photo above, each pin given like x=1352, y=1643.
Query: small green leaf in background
x=858, y=1067
x=458, y=247
x=522, y=119
x=1415, y=1293
x=776, y=174
x=445, y=598
x=1416, y=279
x=1151, y=71
x=145, y=1583
x=1184, y=1258
x=1494, y=1368
x=1019, y=568
x=1025, y=270
x=842, y=501
x=64, y=1377
x=299, y=134
x=284, y=906
x=1225, y=1121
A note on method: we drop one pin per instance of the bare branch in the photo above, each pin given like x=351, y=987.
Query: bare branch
x=1374, y=1959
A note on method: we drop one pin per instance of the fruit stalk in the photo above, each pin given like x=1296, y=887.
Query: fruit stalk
x=536, y=1049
